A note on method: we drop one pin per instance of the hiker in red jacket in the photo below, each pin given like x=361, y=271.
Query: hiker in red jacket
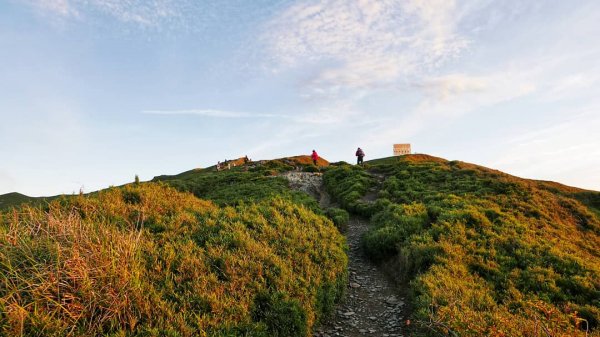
x=360, y=154
x=314, y=157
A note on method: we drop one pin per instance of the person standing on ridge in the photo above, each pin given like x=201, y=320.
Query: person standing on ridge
x=314, y=157
x=360, y=154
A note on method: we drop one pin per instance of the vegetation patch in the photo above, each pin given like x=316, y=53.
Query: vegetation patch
x=148, y=260
x=348, y=184
x=11, y=200
x=486, y=253
x=240, y=185
x=339, y=217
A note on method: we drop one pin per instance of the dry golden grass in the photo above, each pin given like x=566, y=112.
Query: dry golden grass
x=305, y=160
x=148, y=260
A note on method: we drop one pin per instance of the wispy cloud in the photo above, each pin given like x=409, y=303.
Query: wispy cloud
x=458, y=94
x=214, y=113
x=443, y=88
x=453, y=96
x=322, y=117
x=145, y=13
x=363, y=44
x=565, y=151
x=572, y=85
x=59, y=7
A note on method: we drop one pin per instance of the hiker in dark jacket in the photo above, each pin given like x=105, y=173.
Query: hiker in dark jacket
x=314, y=157
x=360, y=154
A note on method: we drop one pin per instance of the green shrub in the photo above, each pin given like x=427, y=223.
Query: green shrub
x=328, y=295
x=339, y=217
x=283, y=318
x=382, y=243
x=310, y=168
x=348, y=184
x=131, y=197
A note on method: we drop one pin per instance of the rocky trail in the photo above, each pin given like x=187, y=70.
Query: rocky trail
x=373, y=305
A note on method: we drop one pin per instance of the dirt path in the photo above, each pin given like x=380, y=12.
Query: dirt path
x=373, y=306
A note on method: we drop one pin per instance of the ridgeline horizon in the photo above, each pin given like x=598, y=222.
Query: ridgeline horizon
x=15, y=198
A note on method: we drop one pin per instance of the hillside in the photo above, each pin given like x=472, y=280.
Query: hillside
x=148, y=260
x=238, y=252
x=254, y=181
x=483, y=252
x=15, y=199
x=256, y=170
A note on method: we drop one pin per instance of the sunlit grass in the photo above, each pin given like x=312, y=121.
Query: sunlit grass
x=148, y=260
x=485, y=253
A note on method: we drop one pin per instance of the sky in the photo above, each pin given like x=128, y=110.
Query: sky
x=93, y=92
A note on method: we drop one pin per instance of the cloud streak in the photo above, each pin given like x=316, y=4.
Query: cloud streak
x=214, y=113
x=323, y=117
x=565, y=151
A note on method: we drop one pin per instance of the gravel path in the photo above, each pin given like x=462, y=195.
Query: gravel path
x=373, y=305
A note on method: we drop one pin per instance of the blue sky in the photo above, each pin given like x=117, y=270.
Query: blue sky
x=93, y=92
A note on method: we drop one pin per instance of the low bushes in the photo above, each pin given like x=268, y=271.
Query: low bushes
x=486, y=254
x=348, y=184
x=146, y=260
x=236, y=186
x=339, y=217
x=281, y=317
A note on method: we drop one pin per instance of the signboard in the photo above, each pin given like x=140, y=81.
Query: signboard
x=401, y=149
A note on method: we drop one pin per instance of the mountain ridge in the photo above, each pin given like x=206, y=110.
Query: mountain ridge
x=12, y=199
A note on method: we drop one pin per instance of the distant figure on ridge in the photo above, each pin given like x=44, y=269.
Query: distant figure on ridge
x=246, y=159
x=360, y=154
x=314, y=157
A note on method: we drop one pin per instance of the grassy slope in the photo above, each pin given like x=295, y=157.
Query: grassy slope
x=254, y=188
x=14, y=199
x=486, y=253
x=149, y=260
x=253, y=182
